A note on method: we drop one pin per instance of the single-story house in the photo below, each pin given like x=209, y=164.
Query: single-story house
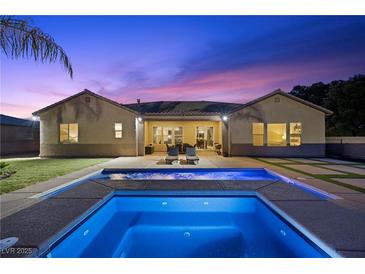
x=18, y=136
x=87, y=124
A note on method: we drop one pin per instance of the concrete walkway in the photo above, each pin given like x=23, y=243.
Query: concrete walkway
x=22, y=198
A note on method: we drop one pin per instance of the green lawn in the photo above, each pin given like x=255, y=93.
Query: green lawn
x=324, y=177
x=29, y=172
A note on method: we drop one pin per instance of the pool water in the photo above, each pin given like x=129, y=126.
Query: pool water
x=185, y=226
x=243, y=174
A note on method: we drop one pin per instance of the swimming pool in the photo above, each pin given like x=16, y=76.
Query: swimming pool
x=235, y=174
x=171, y=225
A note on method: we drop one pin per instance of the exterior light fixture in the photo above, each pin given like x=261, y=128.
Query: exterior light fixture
x=225, y=118
x=35, y=118
x=139, y=119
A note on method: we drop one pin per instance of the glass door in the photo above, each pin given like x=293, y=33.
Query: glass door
x=210, y=139
x=204, y=138
x=200, y=137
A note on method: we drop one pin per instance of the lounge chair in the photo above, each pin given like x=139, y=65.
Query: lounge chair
x=172, y=155
x=191, y=157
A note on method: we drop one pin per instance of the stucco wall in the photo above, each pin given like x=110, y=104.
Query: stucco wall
x=189, y=131
x=96, y=129
x=277, y=109
x=19, y=140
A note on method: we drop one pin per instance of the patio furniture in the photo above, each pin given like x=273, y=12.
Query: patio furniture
x=217, y=148
x=180, y=148
x=149, y=149
x=168, y=147
x=201, y=144
x=191, y=157
x=172, y=155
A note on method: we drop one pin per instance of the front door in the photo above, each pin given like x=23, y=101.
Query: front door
x=204, y=138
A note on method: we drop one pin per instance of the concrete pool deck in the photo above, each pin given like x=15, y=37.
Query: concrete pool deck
x=41, y=224
x=22, y=198
x=342, y=219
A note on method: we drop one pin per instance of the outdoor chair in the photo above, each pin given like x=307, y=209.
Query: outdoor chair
x=218, y=148
x=172, y=155
x=168, y=147
x=191, y=157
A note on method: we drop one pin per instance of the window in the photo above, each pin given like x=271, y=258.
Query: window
x=157, y=135
x=258, y=134
x=276, y=134
x=295, y=134
x=69, y=133
x=118, y=129
x=167, y=135
x=178, y=135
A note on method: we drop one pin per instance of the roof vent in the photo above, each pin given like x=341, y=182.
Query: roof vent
x=87, y=99
x=277, y=100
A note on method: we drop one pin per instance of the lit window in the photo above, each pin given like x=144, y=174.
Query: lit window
x=157, y=135
x=295, y=134
x=258, y=134
x=69, y=133
x=276, y=134
x=178, y=135
x=118, y=129
x=167, y=135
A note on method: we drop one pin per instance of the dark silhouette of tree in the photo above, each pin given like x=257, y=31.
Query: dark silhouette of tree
x=20, y=40
x=345, y=98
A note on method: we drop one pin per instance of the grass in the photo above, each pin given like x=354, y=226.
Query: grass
x=324, y=177
x=29, y=172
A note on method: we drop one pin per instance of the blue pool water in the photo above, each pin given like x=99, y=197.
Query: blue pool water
x=185, y=226
x=243, y=174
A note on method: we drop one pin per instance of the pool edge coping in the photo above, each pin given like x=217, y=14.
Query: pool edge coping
x=310, y=237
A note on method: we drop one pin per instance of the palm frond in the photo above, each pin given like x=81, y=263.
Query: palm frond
x=20, y=40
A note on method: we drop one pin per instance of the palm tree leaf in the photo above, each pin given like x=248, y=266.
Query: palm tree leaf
x=19, y=39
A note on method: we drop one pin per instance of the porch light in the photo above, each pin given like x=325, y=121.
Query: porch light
x=139, y=119
x=225, y=118
x=35, y=118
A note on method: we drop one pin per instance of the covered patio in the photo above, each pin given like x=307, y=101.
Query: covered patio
x=204, y=134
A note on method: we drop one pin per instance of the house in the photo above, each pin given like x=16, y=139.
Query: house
x=87, y=124
x=18, y=136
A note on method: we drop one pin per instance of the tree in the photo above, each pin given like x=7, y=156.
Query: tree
x=345, y=98
x=18, y=39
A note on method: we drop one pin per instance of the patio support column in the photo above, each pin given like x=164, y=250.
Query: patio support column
x=139, y=138
x=225, y=139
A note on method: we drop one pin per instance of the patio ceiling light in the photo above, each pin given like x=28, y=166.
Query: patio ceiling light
x=225, y=118
x=139, y=119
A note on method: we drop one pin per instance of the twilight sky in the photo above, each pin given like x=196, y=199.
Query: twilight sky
x=217, y=58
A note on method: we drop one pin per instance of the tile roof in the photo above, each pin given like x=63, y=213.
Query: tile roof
x=283, y=93
x=184, y=108
x=85, y=91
